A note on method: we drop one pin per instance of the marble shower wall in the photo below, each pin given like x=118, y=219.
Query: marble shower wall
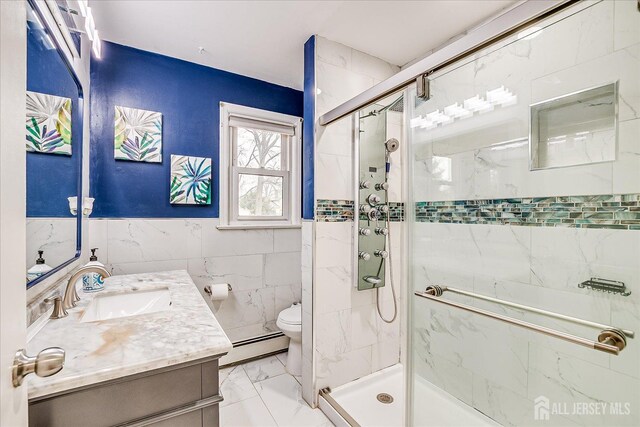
x=496, y=368
x=350, y=339
x=262, y=266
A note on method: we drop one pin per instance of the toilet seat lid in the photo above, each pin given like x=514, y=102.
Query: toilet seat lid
x=291, y=315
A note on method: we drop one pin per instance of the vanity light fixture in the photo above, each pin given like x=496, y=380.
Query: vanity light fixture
x=530, y=33
x=560, y=139
x=438, y=117
x=509, y=144
x=457, y=111
x=47, y=40
x=90, y=28
x=87, y=206
x=82, y=7
x=96, y=45
x=416, y=122
x=89, y=25
x=500, y=96
x=478, y=104
x=73, y=205
x=422, y=122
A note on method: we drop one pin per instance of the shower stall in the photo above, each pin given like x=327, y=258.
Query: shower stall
x=523, y=224
x=525, y=187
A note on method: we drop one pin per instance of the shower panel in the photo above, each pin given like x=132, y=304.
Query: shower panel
x=372, y=205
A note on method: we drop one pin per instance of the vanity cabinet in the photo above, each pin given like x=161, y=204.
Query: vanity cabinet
x=181, y=395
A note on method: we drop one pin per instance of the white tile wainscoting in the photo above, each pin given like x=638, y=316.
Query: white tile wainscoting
x=261, y=393
x=262, y=266
x=55, y=236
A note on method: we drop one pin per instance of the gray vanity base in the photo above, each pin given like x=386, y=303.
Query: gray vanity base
x=181, y=395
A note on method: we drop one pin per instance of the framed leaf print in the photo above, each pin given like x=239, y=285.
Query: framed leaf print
x=138, y=135
x=48, y=124
x=190, y=180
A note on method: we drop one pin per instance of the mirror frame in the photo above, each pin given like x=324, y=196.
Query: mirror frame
x=36, y=7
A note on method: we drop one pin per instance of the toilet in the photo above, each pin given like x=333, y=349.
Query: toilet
x=290, y=323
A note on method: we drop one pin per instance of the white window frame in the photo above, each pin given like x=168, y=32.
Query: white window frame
x=229, y=173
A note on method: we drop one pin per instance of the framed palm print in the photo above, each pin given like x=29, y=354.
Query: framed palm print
x=190, y=180
x=138, y=135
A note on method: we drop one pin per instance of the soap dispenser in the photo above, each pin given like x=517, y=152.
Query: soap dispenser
x=38, y=269
x=93, y=282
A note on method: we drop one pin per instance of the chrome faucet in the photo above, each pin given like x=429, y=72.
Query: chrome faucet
x=71, y=295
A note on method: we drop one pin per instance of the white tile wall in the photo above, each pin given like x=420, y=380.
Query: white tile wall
x=351, y=341
x=497, y=368
x=477, y=168
x=626, y=30
x=262, y=266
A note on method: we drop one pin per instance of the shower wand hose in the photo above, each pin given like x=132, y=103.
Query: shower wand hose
x=388, y=222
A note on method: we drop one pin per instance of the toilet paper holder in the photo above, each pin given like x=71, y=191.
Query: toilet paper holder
x=207, y=289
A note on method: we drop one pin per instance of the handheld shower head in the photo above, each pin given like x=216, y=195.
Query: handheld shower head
x=391, y=145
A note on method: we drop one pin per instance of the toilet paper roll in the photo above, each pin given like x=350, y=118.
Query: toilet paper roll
x=218, y=291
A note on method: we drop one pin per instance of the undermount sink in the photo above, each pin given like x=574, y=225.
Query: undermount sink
x=112, y=306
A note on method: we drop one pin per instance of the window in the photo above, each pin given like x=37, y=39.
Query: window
x=259, y=168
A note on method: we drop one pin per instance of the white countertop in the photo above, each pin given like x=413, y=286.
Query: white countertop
x=109, y=349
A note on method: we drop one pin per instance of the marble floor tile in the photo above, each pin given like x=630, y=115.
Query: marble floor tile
x=235, y=385
x=246, y=413
x=261, y=394
x=262, y=369
x=282, y=357
x=283, y=397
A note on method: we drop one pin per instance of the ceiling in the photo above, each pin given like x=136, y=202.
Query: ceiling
x=264, y=39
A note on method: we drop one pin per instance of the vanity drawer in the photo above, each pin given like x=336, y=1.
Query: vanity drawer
x=134, y=398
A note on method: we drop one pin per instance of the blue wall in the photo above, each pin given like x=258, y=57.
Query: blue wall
x=308, y=128
x=188, y=96
x=51, y=178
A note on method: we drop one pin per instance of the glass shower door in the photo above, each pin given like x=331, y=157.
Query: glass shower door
x=547, y=218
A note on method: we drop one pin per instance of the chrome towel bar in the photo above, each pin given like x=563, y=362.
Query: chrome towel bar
x=629, y=334
x=610, y=340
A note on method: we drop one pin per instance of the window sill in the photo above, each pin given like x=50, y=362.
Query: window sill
x=258, y=226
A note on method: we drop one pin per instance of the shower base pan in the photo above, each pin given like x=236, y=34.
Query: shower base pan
x=366, y=401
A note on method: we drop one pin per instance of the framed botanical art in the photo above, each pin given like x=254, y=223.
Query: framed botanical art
x=138, y=135
x=48, y=124
x=190, y=180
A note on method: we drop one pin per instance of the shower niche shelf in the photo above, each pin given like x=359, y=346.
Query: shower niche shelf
x=575, y=129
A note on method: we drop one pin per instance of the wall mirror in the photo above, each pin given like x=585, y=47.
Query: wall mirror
x=54, y=154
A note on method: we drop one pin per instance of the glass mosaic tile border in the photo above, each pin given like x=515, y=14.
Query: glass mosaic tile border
x=396, y=211
x=342, y=210
x=612, y=211
x=334, y=210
